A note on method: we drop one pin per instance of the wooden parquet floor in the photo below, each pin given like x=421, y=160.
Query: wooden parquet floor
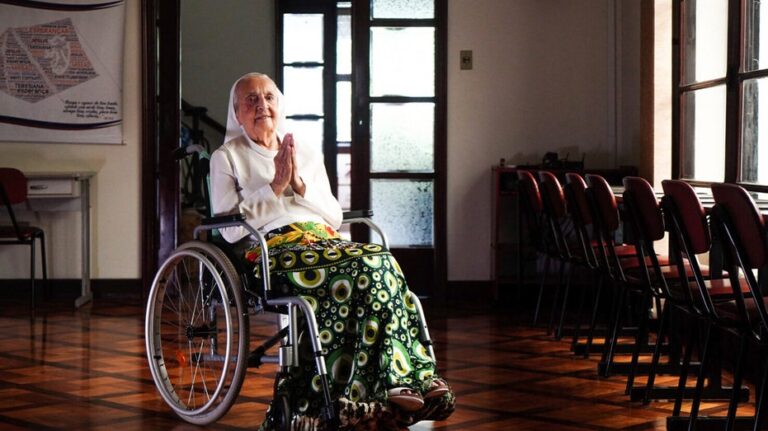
x=86, y=369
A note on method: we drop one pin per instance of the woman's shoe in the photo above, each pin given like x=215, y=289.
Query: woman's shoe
x=437, y=388
x=405, y=398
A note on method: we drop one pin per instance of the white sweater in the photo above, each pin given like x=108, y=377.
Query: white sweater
x=241, y=172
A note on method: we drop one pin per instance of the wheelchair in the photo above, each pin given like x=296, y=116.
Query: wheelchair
x=197, y=321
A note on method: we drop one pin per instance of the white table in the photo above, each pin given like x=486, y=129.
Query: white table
x=66, y=191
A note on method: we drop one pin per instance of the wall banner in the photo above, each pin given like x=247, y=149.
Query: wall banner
x=61, y=71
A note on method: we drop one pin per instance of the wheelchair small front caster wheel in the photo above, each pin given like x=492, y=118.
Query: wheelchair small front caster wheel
x=282, y=414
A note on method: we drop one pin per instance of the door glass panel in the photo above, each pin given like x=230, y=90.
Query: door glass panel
x=413, y=9
x=756, y=40
x=302, y=38
x=306, y=132
x=754, y=132
x=402, y=137
x=402, y=61
x=344, y=111
x=344, y=169
x=404, y=210
x=303, y=90
x=344, y=45
x=703, y=117
x=705, y=37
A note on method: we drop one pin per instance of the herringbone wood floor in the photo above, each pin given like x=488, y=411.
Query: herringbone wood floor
x=70, y=369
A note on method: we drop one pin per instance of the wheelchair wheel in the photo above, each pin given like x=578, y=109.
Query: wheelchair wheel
x=197, y=332
x=282, y=415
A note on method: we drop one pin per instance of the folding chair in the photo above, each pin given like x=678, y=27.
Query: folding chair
x=13, y=190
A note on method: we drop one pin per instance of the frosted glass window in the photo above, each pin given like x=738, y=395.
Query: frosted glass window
x=402, y=137
x=344, y=45
x=306, y=132
x=402, y=61
x=404, y=210
x=303, y=90
x=403, y=9
x=705, y=40
x=302, y=38
x=754, y=132
x=704, y=139
x=344, y=111
x=756, y=36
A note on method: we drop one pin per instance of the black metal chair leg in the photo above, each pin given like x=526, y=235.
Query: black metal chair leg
x=46, y=287
x=593, y=320
x=760, y=401
x=553, y=312
x=610, y=349
x=569, y=275
x=32, y=274
x=541, y=289
x=656, y=354
x=700, y=380
x=577, y=324
x=737, y=377
x=640, y=340
x=683, y=380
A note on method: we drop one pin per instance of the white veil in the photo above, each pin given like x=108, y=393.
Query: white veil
x=234, y=129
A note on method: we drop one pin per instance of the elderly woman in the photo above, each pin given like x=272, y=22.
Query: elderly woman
x=380, y=373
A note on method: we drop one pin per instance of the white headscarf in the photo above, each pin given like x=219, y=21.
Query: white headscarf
x=234, y=129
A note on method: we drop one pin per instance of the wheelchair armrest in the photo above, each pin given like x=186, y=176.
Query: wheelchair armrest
x=364, y=216
x=348, y=215
x=233, y=219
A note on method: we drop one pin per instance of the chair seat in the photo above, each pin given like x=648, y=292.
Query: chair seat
x=668, y=271
x=729, y=313
x=625, y=250
x=27, y=232
x=722, y=287
x=620, y=250
x=631, y=262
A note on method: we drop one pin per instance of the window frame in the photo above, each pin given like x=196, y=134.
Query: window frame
x=435, y=283
x=733, y=80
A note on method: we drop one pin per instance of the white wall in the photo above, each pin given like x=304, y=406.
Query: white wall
x=544, y=79
x=115, y=191
x=221, y=41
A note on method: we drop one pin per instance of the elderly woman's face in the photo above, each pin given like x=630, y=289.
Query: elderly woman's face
x=256, y=106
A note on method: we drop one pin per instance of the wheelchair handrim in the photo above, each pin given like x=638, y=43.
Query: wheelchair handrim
x=154, y=344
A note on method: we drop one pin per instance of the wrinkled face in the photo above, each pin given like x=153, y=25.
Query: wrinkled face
x=256, y=106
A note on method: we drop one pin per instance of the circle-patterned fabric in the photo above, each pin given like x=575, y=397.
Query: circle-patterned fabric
x=369, y=328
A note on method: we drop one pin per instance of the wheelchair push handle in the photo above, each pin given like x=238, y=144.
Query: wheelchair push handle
x=182, y=152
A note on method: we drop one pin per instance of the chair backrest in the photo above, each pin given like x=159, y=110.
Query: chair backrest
x=746, y=221
x=13, y=190
x=529, y=190
x=555, y=211
x=639, y=195
x=689, y=234
x=604, y=202
x=742, y=228
x=693, y=218
x=576, y=188
x=643, y=215
x=14, y=185
x=552, y=195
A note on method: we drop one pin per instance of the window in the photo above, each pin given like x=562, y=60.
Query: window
x=721, y=93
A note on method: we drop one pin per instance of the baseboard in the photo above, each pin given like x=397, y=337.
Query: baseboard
x=69, y=288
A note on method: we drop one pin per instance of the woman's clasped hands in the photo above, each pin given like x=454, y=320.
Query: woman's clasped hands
x=286, y=169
